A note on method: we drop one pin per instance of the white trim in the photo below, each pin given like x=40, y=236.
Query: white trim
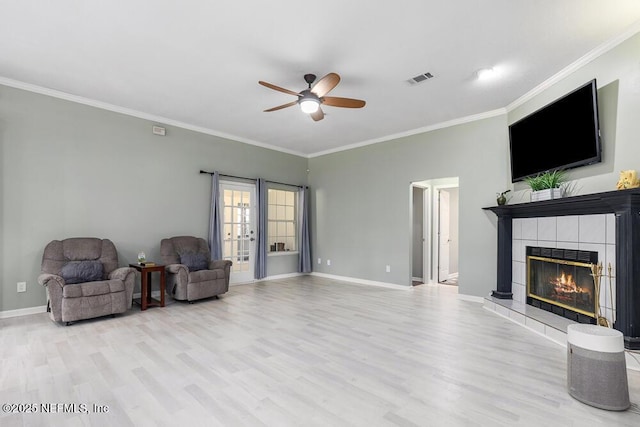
x=250, y=282
x=471, y=298
x=580, y=62
x=282, y=253
x=139, y=114
x=442, y=125
x=453, y=276
x=283, y=276
x=363, y=281
x=417, y=279
x=275, y=277
x=590, y=56
x=23, y=312
x=434, y=236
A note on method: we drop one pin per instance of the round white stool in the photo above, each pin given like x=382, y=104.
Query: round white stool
x=596, y=367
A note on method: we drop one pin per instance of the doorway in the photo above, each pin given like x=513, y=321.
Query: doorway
x=426, y=228
x=418, y=233
x=447, y=236
x=238, y=224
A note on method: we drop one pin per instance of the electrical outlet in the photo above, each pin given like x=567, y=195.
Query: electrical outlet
x=328, y=262
x=319, y=260
x=22, y=286
x=388, y=269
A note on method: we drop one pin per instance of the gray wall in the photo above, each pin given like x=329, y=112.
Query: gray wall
x=618, y=78
x=70, y=170
x=73, y=170
x=361, y=219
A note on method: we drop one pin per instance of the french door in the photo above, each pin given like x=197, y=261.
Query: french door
x=237, y=202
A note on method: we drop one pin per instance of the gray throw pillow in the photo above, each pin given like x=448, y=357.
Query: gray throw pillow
x=82, y=271
x=194, y=262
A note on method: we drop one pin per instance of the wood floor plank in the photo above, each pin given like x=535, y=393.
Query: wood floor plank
x=304, y=351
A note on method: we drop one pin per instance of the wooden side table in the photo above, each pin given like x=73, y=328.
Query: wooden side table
x=145, y=285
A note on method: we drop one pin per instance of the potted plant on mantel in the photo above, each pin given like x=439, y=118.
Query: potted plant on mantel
x=546, y=186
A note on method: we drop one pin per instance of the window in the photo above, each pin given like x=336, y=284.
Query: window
x=282, y=220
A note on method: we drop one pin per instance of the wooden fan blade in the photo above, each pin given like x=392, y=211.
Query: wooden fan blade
x=335, y=101
x=325, y=84
x=278, y=88
x=318, y=115
x=280, y=107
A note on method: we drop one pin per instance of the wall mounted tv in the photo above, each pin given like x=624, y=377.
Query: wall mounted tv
x=561, y=135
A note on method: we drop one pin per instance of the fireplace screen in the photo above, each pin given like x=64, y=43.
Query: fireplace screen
x=562, y=283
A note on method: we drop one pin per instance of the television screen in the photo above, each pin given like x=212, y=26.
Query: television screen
x=562, y=135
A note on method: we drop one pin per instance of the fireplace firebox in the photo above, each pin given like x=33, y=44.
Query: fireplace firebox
x=561, y=281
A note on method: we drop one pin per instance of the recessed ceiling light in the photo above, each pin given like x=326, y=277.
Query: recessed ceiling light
x=487, y=73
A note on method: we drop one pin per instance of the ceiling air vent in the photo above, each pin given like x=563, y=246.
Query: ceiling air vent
x=420, y=78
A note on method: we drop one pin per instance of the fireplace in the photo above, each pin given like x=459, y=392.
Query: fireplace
x=561, y=281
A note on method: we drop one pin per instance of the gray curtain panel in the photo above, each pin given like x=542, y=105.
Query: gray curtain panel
x=304, y=261
x=260, y=270
x=215, y=220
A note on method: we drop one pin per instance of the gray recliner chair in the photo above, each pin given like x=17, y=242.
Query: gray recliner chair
x=191, y=274
x=83, y=280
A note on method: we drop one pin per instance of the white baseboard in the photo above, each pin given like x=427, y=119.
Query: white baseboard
x=284, y=276
x=23, y=312
x=274, y=277
x=156, y=294
x=453, y=276
x=417, y=279
x=471, y=298
x=363, y=281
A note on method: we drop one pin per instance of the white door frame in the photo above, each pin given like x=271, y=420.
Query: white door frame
x=444, y=238
x=247, y=275
x=436, y=219
x=426, y=256
x=430, y=249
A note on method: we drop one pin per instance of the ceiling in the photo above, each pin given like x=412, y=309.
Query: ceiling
x=197, y=63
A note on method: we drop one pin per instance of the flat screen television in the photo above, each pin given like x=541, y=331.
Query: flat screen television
x=561, y=135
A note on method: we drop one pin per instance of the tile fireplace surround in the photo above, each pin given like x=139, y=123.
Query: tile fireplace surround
x=608, y=223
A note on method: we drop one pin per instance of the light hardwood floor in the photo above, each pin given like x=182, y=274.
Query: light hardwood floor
x=303, y=351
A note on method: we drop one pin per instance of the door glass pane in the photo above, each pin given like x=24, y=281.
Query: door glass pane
x=237, y=226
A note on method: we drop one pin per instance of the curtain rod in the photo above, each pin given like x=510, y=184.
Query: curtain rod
x=253, y=179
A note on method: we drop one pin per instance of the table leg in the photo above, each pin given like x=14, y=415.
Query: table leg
x=149, y=288
x=144, y=291
x=162, y=288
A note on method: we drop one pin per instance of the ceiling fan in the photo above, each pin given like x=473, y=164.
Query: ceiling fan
x=311, y=98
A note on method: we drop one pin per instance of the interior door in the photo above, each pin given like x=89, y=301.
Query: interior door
x=443, y=236
x=238, y=228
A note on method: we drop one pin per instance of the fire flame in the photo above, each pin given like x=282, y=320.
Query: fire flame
x=565, y=284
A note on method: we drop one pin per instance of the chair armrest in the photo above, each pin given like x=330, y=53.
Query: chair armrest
x=175, y=268
x=46, y=279
x=54, y=285
x=219, y=264
x=128, y=276
x=121, y=273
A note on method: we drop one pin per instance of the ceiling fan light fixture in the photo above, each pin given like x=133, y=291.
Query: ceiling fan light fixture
x=309, y=105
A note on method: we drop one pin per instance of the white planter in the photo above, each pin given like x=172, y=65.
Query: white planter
x=547, y=194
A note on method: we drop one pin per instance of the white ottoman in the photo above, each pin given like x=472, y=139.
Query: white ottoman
x=596, y=367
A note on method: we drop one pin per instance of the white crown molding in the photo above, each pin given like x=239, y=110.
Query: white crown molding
x=139, y=114
x=595, y=53
x=571, y=68
x=442, y=125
